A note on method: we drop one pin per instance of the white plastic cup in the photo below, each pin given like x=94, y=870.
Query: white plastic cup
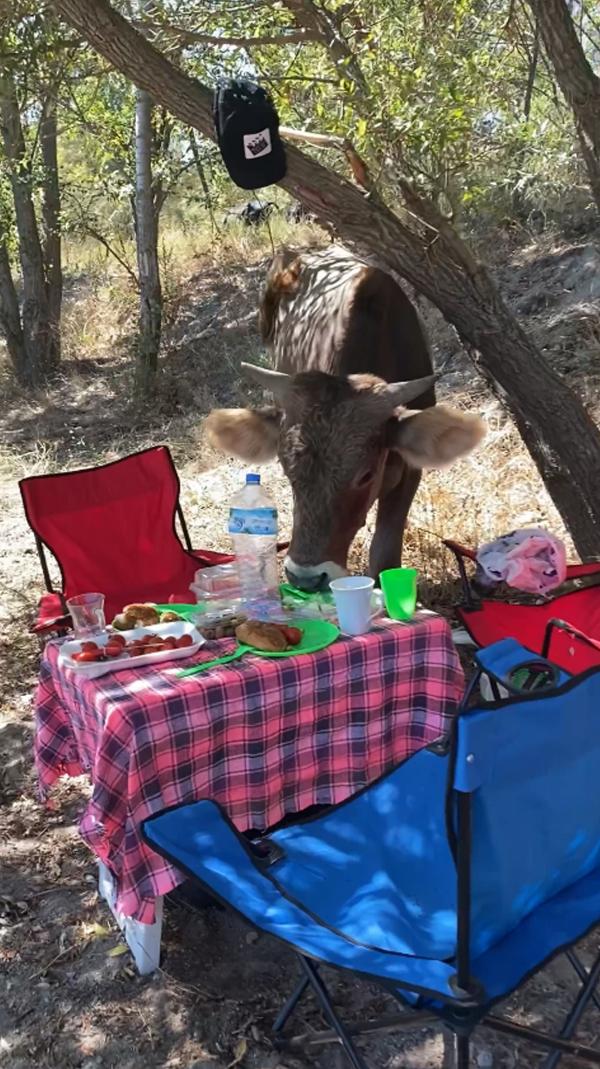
x=352, y=596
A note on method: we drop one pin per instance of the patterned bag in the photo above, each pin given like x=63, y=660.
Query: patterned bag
x=530, y=560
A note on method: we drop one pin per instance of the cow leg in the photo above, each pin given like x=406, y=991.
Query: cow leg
x=392, y=511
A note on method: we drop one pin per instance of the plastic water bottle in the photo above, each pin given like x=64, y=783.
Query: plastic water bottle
x=253, y=530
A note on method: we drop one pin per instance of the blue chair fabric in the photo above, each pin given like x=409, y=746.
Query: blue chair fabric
x=448, y=881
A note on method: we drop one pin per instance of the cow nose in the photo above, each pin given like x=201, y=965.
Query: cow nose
x=310, y=584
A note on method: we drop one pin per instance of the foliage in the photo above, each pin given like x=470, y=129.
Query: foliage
x=455, y=96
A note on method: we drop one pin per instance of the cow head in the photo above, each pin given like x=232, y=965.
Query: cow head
x=333, y=436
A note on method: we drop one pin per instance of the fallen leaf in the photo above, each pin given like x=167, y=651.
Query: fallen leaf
x=239, y=1052
x=115, y=952
x=97, y=929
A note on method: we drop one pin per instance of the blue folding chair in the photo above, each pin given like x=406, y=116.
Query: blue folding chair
x=450, y=880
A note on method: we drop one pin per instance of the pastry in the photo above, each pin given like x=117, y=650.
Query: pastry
x=266, y=637
x=145, y=615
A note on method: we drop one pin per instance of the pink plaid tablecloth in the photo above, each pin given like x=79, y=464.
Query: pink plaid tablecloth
x=262, y=737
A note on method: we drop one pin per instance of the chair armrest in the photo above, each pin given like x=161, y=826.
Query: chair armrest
x=561, y=625
x=462, y=553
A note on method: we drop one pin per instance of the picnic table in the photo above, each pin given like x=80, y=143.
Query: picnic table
x=265, y=738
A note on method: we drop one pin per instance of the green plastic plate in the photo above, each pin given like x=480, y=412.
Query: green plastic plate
x=316, y=635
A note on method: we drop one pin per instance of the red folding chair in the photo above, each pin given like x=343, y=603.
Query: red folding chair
x=112, y=529
x=565, y=628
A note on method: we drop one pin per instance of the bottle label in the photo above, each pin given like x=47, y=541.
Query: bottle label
x=260, y=521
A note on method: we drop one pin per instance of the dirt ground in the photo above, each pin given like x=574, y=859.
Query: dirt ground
x=68, y=996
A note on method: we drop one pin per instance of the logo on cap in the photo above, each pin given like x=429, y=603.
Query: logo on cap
x=258, y=144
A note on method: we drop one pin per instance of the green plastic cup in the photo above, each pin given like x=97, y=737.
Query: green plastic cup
x=399, y=587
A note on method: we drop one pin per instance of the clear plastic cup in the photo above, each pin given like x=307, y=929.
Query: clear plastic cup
x=87, y=615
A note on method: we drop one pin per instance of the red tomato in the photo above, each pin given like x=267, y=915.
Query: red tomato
x=183, y=641
x=89, y=647
x=87, y=656
x=157, y=646
x=292, y=635
x=117, y=640
x=170, y=642
x=113, y=650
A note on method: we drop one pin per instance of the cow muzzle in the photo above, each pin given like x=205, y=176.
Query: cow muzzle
x=313, y=578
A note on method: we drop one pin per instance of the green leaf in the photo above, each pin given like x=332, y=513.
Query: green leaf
x=115, y=952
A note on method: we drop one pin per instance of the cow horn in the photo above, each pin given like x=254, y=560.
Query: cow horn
x=274, y=381
x=400, y=393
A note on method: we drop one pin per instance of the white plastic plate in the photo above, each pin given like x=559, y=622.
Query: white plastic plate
x=93, y=669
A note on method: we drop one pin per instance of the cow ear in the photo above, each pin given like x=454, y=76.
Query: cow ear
x=436, y=437
x=250, y=434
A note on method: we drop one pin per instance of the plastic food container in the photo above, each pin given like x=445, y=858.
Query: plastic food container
x=99, y=668
x=220, y=582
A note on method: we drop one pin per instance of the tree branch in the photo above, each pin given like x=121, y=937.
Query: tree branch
x=98, y=236
x=358, y=166
x=316, y=20
x=191, y=37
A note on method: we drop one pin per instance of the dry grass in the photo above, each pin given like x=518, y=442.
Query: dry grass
x=212, y=284
x=64, y=1001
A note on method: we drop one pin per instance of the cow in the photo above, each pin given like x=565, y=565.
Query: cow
x=350, y=357
x=252, y=213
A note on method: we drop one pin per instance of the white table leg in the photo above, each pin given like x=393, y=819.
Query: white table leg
x=143, y=940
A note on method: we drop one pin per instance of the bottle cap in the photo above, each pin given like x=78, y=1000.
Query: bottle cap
x=251, y=478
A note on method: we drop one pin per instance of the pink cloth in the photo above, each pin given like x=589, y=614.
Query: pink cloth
x=262, y=737
x=530, y=560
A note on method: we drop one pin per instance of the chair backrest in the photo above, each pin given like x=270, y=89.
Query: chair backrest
x=112, y=528
x=532, y=768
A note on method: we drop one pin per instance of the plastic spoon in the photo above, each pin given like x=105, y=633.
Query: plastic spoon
x=241, y=650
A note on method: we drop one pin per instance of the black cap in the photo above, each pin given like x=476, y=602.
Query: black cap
x=247, y=126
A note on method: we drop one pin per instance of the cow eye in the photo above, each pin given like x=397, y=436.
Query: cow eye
x=365, y=478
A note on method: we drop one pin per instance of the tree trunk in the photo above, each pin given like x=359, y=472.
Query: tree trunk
x=10, y=319
x=41, y=357
x=518, y=200
x=52, y=227
x=579, y=84
x=146, y=216
x=560, y=435
x=202, y=179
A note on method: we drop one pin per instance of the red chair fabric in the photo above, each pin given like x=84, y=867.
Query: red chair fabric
x=112, y=530
x=493, y=620
x=489, y=620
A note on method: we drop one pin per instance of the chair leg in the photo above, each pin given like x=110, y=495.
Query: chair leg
x=462, y=1051
x=582, y=972
x=287, y=1010
x=326, y=1005
x=587, y=994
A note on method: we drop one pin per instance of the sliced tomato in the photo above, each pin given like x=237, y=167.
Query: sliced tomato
x=183, y=641
x=170, y=642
